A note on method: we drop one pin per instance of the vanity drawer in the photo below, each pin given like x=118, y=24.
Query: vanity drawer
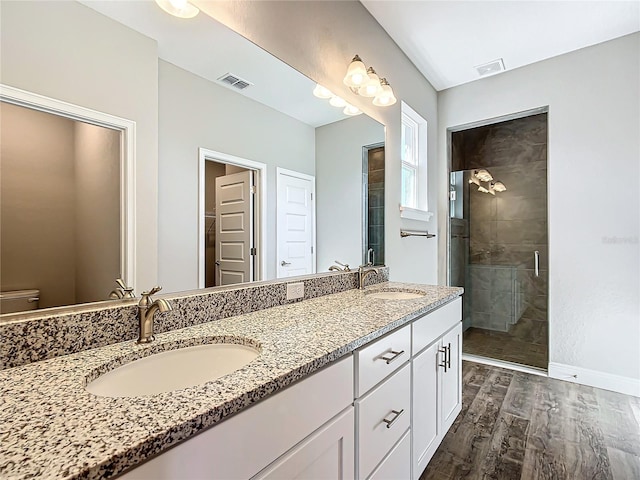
x=381, y=358
x=433, y=325
x=383, y=417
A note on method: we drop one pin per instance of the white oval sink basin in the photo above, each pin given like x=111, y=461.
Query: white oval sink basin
x=172, y=370
x=395, y=295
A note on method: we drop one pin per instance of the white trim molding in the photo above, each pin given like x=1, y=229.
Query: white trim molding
x=260, y=219
x=41, y=103
x=415, y=214
x=594, y=378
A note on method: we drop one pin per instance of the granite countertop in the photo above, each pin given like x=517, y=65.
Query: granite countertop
x=51, y=427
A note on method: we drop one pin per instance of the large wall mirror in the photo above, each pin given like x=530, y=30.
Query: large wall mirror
x=226, y=111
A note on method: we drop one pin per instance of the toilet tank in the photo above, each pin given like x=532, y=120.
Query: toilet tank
x=19, y=301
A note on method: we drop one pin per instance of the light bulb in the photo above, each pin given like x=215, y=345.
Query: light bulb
x=372, y=86
x=337, y=102
x=179, y=8
x=351, y=110
x=356, y=73
x=322, y=92
x=385, y=97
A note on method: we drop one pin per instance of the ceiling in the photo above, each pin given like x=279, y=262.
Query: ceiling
x=209, y=49
x=447, y=39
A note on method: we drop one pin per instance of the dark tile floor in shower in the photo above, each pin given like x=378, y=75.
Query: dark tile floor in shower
x=526, y=343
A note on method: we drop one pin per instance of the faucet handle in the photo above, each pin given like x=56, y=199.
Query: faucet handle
x=127, y=292
x=153, y=291
x=345, y=265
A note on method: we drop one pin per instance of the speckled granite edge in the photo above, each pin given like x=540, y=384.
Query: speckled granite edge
x=50, y=336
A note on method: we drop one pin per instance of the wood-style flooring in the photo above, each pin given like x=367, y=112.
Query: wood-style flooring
x=520, y=426
x=526, y=343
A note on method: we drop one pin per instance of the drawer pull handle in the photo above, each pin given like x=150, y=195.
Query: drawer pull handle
x=394, y=356
x=443, y=351
x=396, y=416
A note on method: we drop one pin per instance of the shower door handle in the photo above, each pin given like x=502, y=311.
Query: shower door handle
x=536, y=263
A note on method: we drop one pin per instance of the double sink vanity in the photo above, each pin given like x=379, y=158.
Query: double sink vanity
x=346, y=383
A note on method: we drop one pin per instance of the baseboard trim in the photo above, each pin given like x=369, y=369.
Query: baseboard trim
x=594, y=378
x=502, y=364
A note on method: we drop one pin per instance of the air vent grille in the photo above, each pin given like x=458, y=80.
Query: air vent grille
x=234, y=81
x=490, y=68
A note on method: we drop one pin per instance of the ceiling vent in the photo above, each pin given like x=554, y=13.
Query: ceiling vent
x=495, y=66
x=234, y=81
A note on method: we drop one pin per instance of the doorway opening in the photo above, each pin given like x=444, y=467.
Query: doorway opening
x=498, y=240
x=231, y=223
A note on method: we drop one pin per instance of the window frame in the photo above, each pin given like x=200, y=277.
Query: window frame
x=418, y=210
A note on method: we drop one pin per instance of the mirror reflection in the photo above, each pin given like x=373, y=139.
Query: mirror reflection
x=314, y=176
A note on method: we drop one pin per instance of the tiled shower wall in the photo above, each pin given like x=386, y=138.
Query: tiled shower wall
x=375, y=191
x=506, y=229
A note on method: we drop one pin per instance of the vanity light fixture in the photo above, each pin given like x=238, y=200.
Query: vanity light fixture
x=482, y=189
x=322, y=92
x=179, y=8
x=372, y=86
x=385, y=97
x=498, y=186
x=366, y=83
x=483, y=175
x=351, y=110
x=356, y=73
x=336, y=101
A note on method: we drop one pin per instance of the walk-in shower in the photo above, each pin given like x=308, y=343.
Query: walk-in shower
x=498, y=246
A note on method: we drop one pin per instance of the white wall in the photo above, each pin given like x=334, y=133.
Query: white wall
x=97, y=211
x=339, y=188
x=319, y=39
x=69, y=52
x=37, y=234
x=594, y=204
x=194, y=113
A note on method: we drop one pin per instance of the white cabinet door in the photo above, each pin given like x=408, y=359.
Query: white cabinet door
x=424, y=425
x=397, y=465
x=452, y=377
x=326, y=454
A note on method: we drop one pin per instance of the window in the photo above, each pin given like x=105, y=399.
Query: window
x=414, y=165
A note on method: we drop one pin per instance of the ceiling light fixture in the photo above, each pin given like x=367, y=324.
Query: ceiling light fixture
x=366, y=83
x=179, y=8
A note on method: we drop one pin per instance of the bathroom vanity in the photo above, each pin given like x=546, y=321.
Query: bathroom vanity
x=345, y=385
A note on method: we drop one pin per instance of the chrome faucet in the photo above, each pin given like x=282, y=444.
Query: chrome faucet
x=336, y=268
x=363, y=273
x=147, y=308
x=122, y=291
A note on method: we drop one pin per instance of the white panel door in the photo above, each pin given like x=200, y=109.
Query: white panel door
x=234, y=228
x=295, y=224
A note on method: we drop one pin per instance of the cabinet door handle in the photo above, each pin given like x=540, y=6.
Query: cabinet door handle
x=449, y=355
x=443, y=351
x=396, y=416
x=394, y=356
